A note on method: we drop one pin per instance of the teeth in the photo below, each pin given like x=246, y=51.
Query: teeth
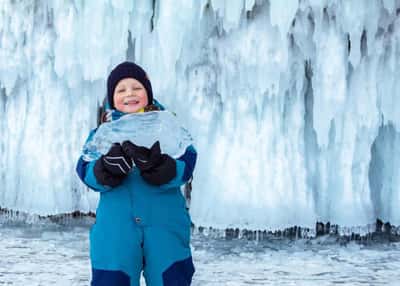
x=131, y=102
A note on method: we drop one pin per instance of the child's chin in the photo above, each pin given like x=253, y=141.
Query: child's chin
x=131, y=109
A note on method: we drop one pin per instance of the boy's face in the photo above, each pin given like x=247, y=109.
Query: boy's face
x=130, y=96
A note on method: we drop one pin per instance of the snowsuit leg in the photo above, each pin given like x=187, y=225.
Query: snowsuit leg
x=167, y=254
x=116, y=254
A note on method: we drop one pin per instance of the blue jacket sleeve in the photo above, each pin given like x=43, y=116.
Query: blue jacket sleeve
x=184, y=168
x=85, y=171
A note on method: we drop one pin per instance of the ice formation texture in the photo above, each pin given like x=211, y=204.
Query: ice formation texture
x=293, y=105
x=142, y=128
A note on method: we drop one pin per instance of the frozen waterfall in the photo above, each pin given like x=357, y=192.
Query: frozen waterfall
x=294, y=105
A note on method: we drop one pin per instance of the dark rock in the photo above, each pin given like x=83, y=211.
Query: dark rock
x=378, y=225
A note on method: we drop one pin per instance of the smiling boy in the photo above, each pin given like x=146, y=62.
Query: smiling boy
x=142, y=223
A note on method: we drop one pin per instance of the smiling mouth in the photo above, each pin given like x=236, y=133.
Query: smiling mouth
x=131, y=102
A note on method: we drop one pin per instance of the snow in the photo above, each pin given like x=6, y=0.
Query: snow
x=58, y=254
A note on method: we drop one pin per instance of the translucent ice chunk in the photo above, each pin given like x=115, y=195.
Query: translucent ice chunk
x=143, y=129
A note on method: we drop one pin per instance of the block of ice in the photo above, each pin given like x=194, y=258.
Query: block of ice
x=143, y=129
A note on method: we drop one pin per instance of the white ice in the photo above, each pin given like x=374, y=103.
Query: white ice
x=293, y=105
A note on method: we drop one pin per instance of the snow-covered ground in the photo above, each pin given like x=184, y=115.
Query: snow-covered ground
x=50, y=254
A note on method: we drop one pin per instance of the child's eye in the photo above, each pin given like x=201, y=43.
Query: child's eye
x=121, y=90
x=137, y=88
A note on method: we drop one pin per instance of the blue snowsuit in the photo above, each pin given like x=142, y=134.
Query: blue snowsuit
x=141, y=227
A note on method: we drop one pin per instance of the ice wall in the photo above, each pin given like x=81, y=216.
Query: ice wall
x=294, y=105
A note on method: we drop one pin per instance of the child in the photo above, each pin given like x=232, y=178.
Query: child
x=141, y=221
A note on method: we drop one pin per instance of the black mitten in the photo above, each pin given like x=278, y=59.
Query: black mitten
x=162, y=173
x=144, y=158
x=155, y=168
x=104, y=177
x=112, y=168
